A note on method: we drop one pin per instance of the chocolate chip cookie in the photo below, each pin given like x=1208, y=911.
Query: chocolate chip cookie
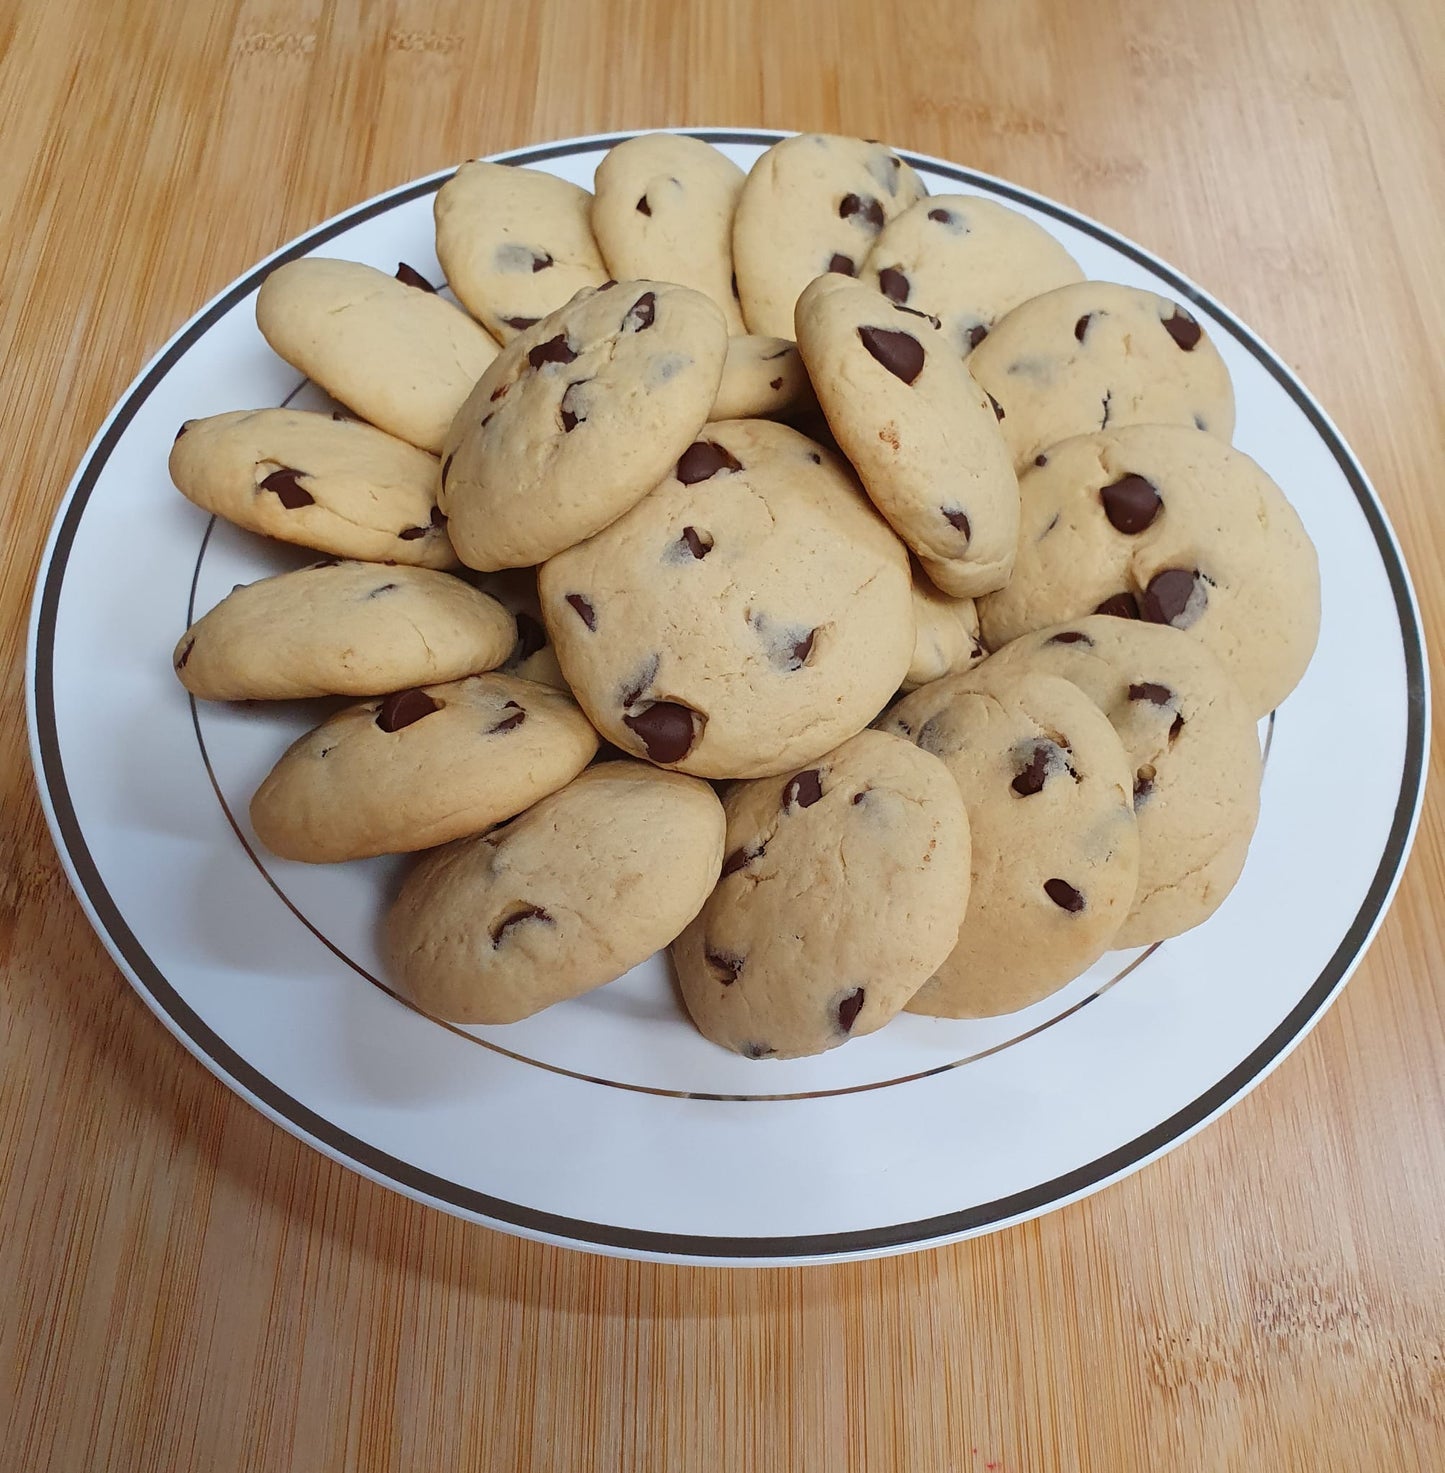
x=919, y=431
x=748, y=615
x=1096, y=356
x=947, y=641
x=762, y=378
x=494, y=929
x=342, y=629
x=1055, y=844
x=420, y=767
x=842, y=890
x=578, y=419
x=1168, y=524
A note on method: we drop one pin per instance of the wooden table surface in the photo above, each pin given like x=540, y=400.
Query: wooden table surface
x=185, y=1286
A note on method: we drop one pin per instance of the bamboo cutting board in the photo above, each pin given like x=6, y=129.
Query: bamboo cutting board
x=184, y=1286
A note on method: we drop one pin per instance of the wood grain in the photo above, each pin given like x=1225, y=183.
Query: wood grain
x=187, y=1287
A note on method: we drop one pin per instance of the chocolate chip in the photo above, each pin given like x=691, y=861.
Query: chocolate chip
x=775, y=384
x=500, y=392
x=540, y=262
x=185, y=654
x=1072, y=636
x=799, y=651
x=860, y=795
x=815, y=457
x=997, y=407
x=554, y=350
x=976, y=334
x=608, y=284
x=849, y=1009
x=894, y=284
x=1131, y=503
x=668, y=729
x=515, y=918
x=641, y=314
x=1176, y=596
x=855, y=205
x=585, y=611
x=291, y=494
x=521, y=324
x=756, y=1051
x=803, y=789
x=404, y=707
x=899, y=352
x=1120, y=605
x=1064, y=895
x=643, y=208
x=740, y=859
x=1176, y=726
x=704, y=459
x=1143, y=783
x=842, y=265
x=1151, y=691
x=944, y=217
x=957, y=520
x=531, y=637
x=728, y=966
x=699, y=544
x=1183, y=329
x=509, y=723
x=486, y=419
x=1031, y=776
x=1082, y=326
x=410, y=534
x=410, y=276
x=1041, y=459
x=567, y=411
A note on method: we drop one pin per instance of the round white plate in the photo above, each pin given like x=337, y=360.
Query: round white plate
x=607, y=1122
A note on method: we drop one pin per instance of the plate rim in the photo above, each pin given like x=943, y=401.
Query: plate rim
x=160, y=995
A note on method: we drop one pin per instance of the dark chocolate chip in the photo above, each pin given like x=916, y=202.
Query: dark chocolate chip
x=815, y=457
x=699, y=544
x=554, y=350
x=899, y=352
x=1175, y=596
x=860, y=795
x=566, y=410
x=944, y=217
x=404, y=707
x=1041, y=459
x=668, y=730
x=540, y=263
x=521, y=324
x=803, y=789
x=410, y=276
x=894, y=284
x=643, y=208
x=704, y=459
x=1131, y=503
x=1082, y=326
x=509, y=723
x=1183, y=329
x=515, y=918
x=531, y=637
x=740, y=859
x=584, y=610
x=185, y=654
x=842, y=265
x=289, y=492
x=641, y=314
x=849, y=1009
x=499, y=392
x=775, y=384
x=799, y=651
x=728, y=966
x=976, y=334
x=410, y=534
x=853, y=205
x=1120, y=605
x=1151, y=691
x=958, y=520
x=997, y=407
x=1063, y=895
x=608, y=284
x=1031, y=776
x=1176, y=726
x=1071, y=636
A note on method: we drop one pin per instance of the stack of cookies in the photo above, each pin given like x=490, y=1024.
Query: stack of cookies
x=818, y=577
